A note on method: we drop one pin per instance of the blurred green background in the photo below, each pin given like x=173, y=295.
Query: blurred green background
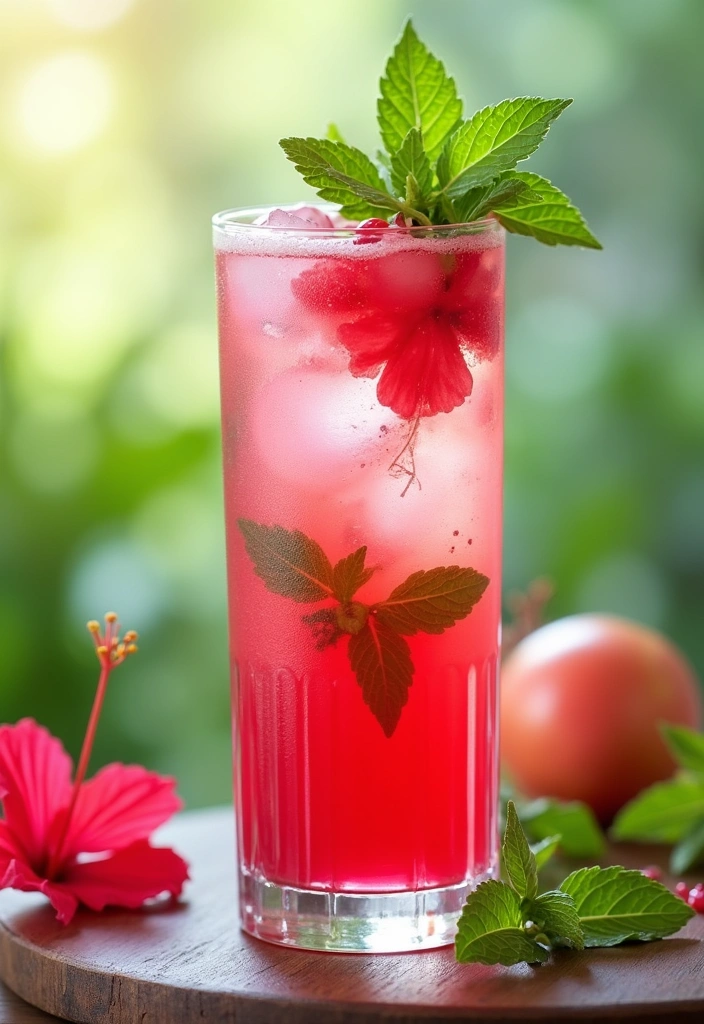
x=125, y=125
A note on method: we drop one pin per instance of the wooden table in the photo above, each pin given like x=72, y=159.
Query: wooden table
x=189, y=962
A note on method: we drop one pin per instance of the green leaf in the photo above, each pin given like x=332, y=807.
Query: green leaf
x=617, y=905
x=416, y=92
x=545, y=850
x=341, y=174
x=687, y=746
x=690, y=851
x=664, y=813
x=431, y=600
x=381, y=661
x=289, y=563
x=517, y=856
x=349, y=575
x=494, y=140
x=333, y=133
x=580, y=835
x=555, y=915
x=490, y=929
x=507, y=189
x=554, y=221
x=411, y=158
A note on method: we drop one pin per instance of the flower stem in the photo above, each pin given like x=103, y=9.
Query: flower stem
x=83, y=761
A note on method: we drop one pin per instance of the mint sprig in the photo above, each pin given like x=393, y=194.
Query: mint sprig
x=294, y=566
x=416, y=92
x=508, y=922
x=671, y=811
x=437, y=168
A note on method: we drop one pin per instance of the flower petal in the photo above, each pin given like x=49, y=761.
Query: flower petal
x=426, y=373
x=35, y=773
x=370, y=342
x=9, y=849
x=128, y=878
x=19, y=875
x=119, y=805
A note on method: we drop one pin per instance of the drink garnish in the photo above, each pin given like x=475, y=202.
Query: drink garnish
x=293, y=565
x=511, y=922
x=437, y=168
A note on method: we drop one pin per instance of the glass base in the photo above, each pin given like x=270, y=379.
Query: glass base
x=342, y=922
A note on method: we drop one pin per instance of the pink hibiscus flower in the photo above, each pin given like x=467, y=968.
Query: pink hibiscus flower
x=416, y=320
x=87, y=842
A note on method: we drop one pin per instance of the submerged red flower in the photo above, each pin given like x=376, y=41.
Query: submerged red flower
x=418, y=319
x=86, y=842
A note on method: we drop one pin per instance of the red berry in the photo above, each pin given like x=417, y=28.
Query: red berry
x=696, y=900
x=367, y=235
x=399, y=221
x=682, y=889
x=652, y=871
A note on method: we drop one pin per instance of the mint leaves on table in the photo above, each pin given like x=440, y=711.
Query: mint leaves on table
x=293, y=565
x=509, y=922
x=618, y=905
x=671, y=811
x=437, y=168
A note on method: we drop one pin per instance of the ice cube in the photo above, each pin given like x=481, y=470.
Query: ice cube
x=314, y=429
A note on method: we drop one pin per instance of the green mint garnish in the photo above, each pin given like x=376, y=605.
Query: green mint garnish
x=687, y=747
x=492, y=930
x=494, y=140
x=341, y=174
x=617, y=905
x=437, y=168
x=663, y=813
x=554, y=916
x=545, y=850
x=416, y=92
x=553, y=220
x=519, y=860
x=509, y=922
x=295, y=566
x=671, y=811
x=574, y=822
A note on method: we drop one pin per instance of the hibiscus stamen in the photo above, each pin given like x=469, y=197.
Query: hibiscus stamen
x=111, y=652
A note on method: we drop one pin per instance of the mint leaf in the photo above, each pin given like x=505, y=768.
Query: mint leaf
x=554, y=221
x=494, y=140
x=580, y=835
x=545, y=850
x=690, y=851
x=554, y=914
x=491, y=931
x=664, y=813
x=341, y=174
x=431, y=600
x=509, y=188
x=333, y=133
x=349, y=575
x=686, y=745
x=381, y=661
x=518, y=860
x=617, y=905
x=416, y=92
x=412, y=159
x=289, y=563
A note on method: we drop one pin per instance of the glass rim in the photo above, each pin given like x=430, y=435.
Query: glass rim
x=240, y=219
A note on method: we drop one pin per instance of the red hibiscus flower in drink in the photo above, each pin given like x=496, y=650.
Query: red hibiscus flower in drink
x=418, y=320
x=85, y=842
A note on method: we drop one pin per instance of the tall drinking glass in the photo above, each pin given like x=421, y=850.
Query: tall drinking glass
x=362, y=390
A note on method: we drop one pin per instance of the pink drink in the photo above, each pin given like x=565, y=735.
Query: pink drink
x=384, y=799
